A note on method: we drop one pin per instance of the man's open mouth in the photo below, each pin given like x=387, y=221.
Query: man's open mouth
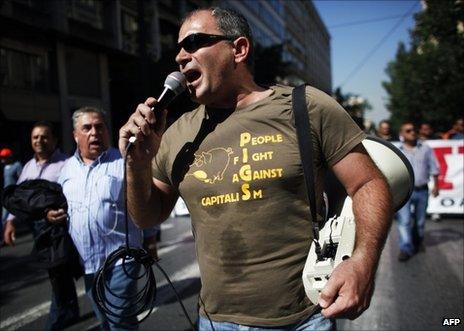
x=95, y=144
x=192, y=75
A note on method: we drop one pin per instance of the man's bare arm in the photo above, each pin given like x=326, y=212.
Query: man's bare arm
x=149, y=201
x=349, y=289
x=435, y=188
x=372, y=203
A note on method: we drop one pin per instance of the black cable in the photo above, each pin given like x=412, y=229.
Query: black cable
x=331, y=247
x=207, y=315
x=134, y=305
x=372, y=20
x=177, y=295
x=141, y=302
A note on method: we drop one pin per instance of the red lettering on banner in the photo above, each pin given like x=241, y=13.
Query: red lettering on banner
x=440, y=153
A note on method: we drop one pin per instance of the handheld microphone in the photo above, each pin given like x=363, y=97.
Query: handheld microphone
x=174, y=85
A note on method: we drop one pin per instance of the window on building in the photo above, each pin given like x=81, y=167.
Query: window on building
x=24, y=70
x=130, y=27
x=83, y=72
x=87, y=11
x=34, y=4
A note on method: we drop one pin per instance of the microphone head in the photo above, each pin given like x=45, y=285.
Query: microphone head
x=176, y=82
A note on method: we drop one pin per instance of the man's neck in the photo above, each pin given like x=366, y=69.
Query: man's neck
x=42, y=158
x=249, y=97
x=87, y=161
x=242, y=96
x=410, y=143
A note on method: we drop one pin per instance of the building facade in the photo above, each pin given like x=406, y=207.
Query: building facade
x=308, y=44
x=57, y=56
x=297, y=26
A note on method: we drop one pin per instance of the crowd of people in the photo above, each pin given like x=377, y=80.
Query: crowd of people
x=425, y=131
x=92, y=181
x=243, y=247
x=413, y=138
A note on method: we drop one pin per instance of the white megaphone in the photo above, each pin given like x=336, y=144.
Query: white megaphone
x=337, y=237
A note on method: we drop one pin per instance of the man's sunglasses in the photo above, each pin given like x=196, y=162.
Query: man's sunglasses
x=195, y=41
x=410, y=130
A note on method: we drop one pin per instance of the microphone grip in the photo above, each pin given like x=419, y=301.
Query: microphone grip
x=164, y=100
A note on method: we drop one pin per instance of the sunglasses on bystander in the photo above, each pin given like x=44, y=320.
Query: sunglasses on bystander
x=410, y=130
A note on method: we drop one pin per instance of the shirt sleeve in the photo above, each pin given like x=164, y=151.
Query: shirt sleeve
x=433, y=163
x=157, y=165
x=336, y=131
x=23, y=174
x=19, y=169
x=22, y=177
x=60, y=179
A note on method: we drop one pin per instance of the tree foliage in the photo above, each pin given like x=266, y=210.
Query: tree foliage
x=354, y=104
x=427, y=78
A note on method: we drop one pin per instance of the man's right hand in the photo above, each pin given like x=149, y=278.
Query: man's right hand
x=147, y=129
x=149, y=201
x=56, y=216
x=9, y=233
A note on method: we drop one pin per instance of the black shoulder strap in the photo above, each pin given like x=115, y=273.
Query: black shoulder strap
x=303, y=132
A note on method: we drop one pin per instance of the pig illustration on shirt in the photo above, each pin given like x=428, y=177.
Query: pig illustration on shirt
x=210, y=166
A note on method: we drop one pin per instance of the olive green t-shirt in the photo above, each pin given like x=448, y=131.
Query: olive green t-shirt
x=240, y=175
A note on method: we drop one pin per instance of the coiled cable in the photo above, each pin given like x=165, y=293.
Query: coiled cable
x=140, y=303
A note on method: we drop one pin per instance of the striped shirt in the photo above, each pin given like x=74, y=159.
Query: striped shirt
x=423, y=162
x=96, y=207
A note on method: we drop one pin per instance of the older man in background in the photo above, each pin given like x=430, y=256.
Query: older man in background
x=92, y=181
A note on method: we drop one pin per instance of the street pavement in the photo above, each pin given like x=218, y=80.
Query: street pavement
x=416, y=295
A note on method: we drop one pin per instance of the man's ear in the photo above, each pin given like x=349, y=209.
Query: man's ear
x=75, y=137
x=241, y=49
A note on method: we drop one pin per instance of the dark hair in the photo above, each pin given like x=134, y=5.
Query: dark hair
x=232, y=24
x=384, y=121
x=406, y=123
x=45, y=124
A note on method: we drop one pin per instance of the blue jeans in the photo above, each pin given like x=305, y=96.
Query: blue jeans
x=312, y=323
x=64, y=309
x=4, y=216
x=122, y=285
x=412, y=234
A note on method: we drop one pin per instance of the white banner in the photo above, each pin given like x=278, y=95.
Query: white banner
x=450, y=157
